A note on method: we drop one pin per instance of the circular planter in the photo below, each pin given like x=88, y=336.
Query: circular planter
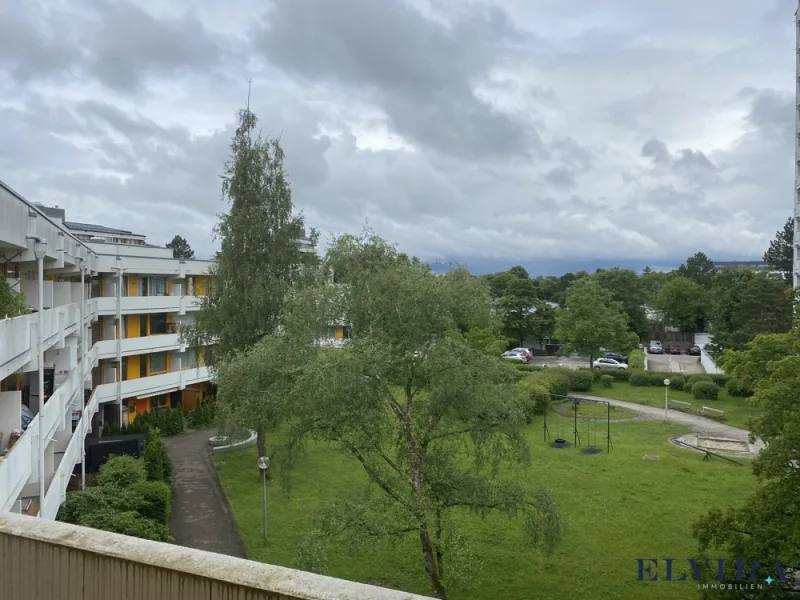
x=223, y=443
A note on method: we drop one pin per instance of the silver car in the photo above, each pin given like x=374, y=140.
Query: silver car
x=608, y=363
x=516, y=355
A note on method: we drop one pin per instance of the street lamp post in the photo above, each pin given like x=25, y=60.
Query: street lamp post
x=263, y=466
x=666, y=398
x=40, y=251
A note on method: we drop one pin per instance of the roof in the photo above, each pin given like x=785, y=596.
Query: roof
x=98, y=228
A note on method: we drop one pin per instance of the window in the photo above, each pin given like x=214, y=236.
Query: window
x=124, y=368
x=161, y=401
x=153, y=286
x=158, y=362
x=142, y=325
x=158, y=324
x=142, y=366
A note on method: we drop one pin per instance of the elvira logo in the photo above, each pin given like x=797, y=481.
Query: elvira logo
x=674, y=569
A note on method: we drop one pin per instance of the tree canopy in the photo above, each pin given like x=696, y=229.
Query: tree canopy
x=258, y=262
x=780, y=255
x=516, y=303
x=683, y=302
x=767, y=526
x=746, y=303
x=428, y=417
x=12, y=303
x=627, y=289
x=700, y=268
x=592, y=320
x=180, y=248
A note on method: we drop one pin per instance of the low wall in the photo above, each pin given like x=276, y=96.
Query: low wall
x=46, y=559
x=709, y=365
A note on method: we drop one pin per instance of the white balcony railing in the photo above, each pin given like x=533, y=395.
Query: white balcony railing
x=107, y=305
x=155, y=384
x=15, y=468
x=139, y=345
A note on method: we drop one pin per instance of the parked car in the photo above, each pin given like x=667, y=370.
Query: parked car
x=616, y=356
x=674, y=349
x=694, y=351
x=523, y=357
x=523, y=351
x=655, y=347
x=608, y=363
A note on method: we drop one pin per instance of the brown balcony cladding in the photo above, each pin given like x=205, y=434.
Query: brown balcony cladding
x=47, y=560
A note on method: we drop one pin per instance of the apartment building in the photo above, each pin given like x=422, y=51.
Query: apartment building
x=100, y=345
x=796, y=273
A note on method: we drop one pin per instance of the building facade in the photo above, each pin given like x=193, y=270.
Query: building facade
x=100, y=345
x=796, y=273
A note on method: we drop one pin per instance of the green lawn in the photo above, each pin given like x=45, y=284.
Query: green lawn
x=737, y=410
x=616, y=506
x=594, y=410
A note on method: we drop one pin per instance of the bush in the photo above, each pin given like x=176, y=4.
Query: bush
x=157, y=461
x=169, y=421
x=606, y=381
x=154, y=499
x=692, y=379
x=121, y=471
x=580, y=381
x=705, y=390
x=720, y=379
x=639, y=379
x=636, y=360
x=656, y=378
x=127, y=523
x=203, y=414
x=677, y=382
x=621, y=374
x=535, y=398
x=528, y=368
x=737, y=389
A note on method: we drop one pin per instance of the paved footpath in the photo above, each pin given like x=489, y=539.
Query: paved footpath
x=700, y=425
x=201, y=518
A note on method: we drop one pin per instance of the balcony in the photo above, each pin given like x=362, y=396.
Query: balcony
x=57, y=561
x=153, y=385
x=139, y=345
x=133, y=305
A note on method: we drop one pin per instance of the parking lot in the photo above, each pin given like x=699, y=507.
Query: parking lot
x=571, y=362
x=674, y=363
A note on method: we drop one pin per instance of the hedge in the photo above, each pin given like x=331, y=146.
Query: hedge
x=606, y=381
x=720, y=379
x=737, y=389
x=639, y=379
x=580, y=381
x=157, y=461
x=692, y=379
x=636, y=360
x=705, y=390
x=154, y=500
x=121, y=471
x=203, y=414
x=169, y=421
x=677, y=382
x=127, y=523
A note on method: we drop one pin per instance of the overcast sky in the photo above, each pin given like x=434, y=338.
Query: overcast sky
x=519, y=131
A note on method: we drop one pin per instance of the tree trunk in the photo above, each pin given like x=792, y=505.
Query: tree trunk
x=591, y=361
x=261, y=442
x=437, y=585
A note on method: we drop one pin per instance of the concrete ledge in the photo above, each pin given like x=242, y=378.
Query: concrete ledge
x=250, y=441
x=153, y=558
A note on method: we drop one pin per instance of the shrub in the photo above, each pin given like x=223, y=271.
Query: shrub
x=203, y=414
x=528, y=368
x=677, y=382
x=127, y=523
x=720, y=379
x=154, y=499
x=656, y=378
x=639, y=379
x=606, y=381
x=705, y=390
x=535, y=398
x=698, y=377
x=621, y=374
x=737, y=389
x=636, y=360
x=121, y=471
x=169, y=421
x=580, y=381
x=157, y=461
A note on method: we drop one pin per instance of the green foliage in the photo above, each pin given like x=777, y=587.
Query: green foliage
x=154, y=500
x=122, y=502
x=536, y=399
x=767, y=524
x=181, y=248
x=737, y=389
x=121, y=471
x=202, y=415
x=404, y=376
x=720, y=379
x=516, y=303
x=606, y=381
x=657, y=378
x=700, y=269
x=168, y=421
x=683, y=302
x=780, y=255
x=639, y=379
x=12, y=303
x=543, y=322
x=580, y=381
x=127, y=523
x=677, y=382
x=636, y=360
x=592, y=320
x=487, y=341
x=746, y=304
x=760, y=357
x=705, y=390
x=626, y=288
x=157, y=461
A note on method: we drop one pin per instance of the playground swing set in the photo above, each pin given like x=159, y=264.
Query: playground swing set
x=590, y=430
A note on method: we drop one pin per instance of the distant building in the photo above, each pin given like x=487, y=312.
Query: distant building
x=755, y=265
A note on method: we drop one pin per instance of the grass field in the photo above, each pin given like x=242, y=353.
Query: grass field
x=737, y=410
x=594, y=410
x=617, y=507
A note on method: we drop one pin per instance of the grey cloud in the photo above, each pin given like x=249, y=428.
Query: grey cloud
x=657, y=150
x=560, y=177
x=418, y=70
